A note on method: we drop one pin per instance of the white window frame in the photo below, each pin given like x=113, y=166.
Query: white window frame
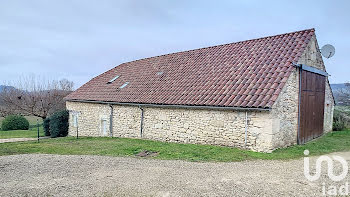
x=104, y=120
x=113, y=79
x=124, y=85
x=75, y=116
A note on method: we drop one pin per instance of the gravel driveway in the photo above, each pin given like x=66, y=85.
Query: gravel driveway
x=17, y=140
x=59, y=175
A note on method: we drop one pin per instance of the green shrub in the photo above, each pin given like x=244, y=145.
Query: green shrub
x=15, y=122
x=59, y=124
x=339, y=122
x=46, y=125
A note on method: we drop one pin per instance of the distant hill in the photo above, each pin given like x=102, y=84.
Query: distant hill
x=337, y=86
x=2, y=87
x=338, y=97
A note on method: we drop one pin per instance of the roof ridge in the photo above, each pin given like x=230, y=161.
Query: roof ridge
x=311, y=29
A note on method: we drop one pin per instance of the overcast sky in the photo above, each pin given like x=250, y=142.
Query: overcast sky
x=78, y=40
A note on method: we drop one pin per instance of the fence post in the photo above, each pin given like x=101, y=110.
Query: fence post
x=37, y=124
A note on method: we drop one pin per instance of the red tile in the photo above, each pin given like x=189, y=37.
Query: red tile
x=244, y=74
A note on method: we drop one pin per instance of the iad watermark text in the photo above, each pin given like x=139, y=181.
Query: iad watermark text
x=328, y=189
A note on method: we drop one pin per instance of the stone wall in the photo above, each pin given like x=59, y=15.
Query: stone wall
x=311, y=56
x=126, y=121
x=328, y=109
x=285, y=114
x=198, y=126
x=90, y=118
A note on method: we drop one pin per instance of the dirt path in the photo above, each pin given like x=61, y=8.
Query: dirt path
x=17, y=140
x=59, y=175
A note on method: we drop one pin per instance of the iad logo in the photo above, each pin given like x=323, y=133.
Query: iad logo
x=330, y=190
x=329, y=161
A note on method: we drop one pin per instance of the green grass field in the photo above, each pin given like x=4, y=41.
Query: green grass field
x=342, y=108
x=332, y=142
x=31, y=133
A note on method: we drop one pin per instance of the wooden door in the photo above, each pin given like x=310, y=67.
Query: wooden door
x=311, y=106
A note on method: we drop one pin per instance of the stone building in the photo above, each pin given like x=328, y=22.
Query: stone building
x=246, y=94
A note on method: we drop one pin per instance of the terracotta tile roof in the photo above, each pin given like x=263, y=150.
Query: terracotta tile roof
x=243, y=74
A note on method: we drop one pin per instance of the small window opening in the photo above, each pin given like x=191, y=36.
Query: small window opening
x=123, y=86
x=104, y=128
x=114, y=78
x=75, y=120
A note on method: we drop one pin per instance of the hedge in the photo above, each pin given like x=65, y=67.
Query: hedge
x=339, y=122
x=59, y=124
x=14, y=122
x=46, y=125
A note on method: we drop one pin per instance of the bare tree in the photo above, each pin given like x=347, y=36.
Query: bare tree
x=35, y=96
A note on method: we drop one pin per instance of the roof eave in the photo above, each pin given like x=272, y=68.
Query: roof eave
x=172, y=106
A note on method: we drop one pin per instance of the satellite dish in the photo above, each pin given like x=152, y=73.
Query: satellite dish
x=327, y=51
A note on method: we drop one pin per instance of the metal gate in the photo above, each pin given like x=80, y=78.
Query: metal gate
x=312, y=98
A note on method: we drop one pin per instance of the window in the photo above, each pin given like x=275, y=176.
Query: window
x=123, y=86
x=75, y=120
x=104, y=128
x=114, y=78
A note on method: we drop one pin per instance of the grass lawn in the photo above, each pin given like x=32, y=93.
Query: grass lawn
x=31, y=119
x=332, y=142
x=31, y=133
